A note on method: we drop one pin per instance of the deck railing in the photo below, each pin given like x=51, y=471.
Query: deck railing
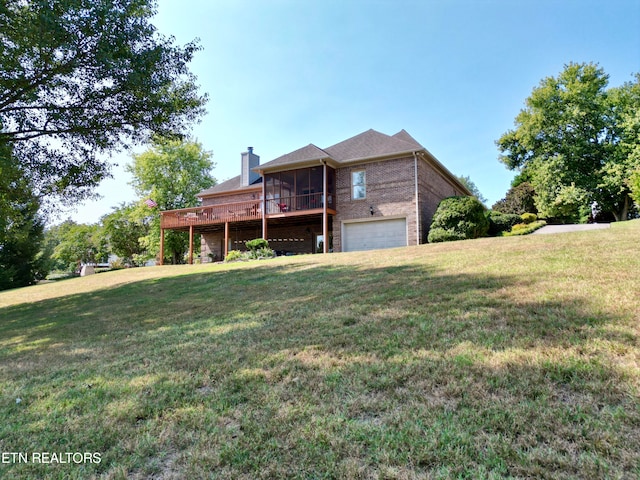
x=294, y=203
x=229, y=212
x=240, y=211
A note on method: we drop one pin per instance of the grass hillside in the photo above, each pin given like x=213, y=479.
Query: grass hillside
x=492, y=358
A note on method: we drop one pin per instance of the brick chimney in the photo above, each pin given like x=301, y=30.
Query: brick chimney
x=249, y=161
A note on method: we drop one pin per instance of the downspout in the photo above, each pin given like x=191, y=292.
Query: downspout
x=415, y=173
x=325, y=214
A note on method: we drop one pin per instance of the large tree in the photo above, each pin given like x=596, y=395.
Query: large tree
x=616, y=188
x=79, y=78
x=568, y=142
x=124, y=228
x=79, y=243
x=170, y=174
x=21, y=227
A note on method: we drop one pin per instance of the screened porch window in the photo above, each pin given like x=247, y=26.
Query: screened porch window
x=300, y=189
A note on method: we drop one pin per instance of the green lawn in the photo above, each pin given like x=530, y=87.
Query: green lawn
x=494, y=358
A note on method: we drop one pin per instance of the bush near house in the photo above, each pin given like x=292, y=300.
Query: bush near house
x=258, y=249
x=501, y=222
x=458, y=218
x=256, y=244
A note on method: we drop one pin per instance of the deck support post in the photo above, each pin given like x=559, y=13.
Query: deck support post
x=162, y=246
x=325, y=215
x=226, y=239
x=264, y=208
x=190, y=244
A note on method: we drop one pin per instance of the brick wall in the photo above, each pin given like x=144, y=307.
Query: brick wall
x=433, y=186
x=390, y=190
x=297, y=239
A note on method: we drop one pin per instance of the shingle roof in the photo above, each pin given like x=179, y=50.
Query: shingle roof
x=370, y=144
x=310, y=152
x=404, y=135
x=228, y=185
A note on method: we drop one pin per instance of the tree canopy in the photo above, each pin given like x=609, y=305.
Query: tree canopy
x=124, y=228
x=79, y=78
x=21, y=226
x=518, y=200
x=78, y=243
x=170, y=174
x=574, y=142
x=472, y=187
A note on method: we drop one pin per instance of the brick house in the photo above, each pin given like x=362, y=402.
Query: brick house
x=369, y=191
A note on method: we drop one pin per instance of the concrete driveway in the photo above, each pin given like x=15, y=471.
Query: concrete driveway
x=570, y=228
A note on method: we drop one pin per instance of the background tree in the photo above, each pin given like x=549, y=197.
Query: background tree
x=568, y=140
x=82, y=77
x=79, y=243
x=518, y=200
x=124, y=228
x=634, y=185
x=170, y=173
x=471, y=186
x=614, y=191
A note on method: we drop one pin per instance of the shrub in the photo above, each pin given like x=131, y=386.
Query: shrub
x=501, y=222
x=256, y=244
x=525, y=229
x=260, y=253
x=519, y=226
x=458, y=218
x=117, y=264
x=233, y=256
x=442, y=235
x=264, y=252
x=528, y=218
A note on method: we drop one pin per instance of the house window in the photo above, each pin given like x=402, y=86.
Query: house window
x=358, y=185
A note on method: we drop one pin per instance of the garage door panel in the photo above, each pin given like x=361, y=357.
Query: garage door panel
x=375, y=234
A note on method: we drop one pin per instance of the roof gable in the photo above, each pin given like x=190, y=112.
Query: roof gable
x=371, y=144
x=404, y=135
x=304, y=154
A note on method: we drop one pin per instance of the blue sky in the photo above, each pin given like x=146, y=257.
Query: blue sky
x=281, y=74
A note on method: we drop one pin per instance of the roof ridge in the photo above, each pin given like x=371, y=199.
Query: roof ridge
x=406, y=137
x=306, y=153
x=371, y=144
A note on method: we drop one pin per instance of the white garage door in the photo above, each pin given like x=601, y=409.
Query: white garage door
x=375, y=234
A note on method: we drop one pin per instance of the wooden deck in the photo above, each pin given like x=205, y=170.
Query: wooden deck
x=185, y=218
x=211, y=215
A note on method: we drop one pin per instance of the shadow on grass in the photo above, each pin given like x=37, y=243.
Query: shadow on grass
x=319, y=370
x=409, y=306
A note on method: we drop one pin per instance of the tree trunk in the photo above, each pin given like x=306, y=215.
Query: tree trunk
x=623, y=214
